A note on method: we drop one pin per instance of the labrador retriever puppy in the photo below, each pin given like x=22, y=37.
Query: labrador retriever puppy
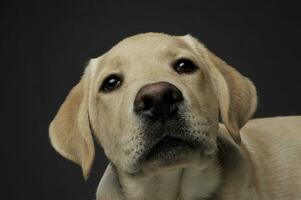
x=153, y=103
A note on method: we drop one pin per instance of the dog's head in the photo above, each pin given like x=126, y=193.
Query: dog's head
x=152, y=101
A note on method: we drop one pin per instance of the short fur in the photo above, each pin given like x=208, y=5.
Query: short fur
x=239, y=159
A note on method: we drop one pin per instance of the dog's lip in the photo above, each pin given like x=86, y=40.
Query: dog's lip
x=168, y=144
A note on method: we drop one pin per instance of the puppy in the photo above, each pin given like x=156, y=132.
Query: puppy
x=153, y=103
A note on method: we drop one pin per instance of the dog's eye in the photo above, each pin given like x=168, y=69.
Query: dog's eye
x=184, y=65
x=111, y=83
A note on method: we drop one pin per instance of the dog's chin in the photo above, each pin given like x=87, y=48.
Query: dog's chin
x=171, y=152
x=170, y=145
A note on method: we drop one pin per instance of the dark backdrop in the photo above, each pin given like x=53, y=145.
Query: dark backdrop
x=45, y=46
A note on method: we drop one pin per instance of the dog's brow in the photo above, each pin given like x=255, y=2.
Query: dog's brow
x=109, y=63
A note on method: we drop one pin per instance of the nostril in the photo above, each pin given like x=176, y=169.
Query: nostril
x=168, y=97
x=143, y=103
x=178, y=97
x=173, y=96
x=148, y=103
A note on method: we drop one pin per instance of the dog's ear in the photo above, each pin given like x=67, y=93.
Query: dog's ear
x=70, y=132
x=236, y=94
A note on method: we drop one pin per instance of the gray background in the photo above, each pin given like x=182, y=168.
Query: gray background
x=45, y=46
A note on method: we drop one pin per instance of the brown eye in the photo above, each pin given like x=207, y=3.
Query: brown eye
x=184, y=65
x=111, y=83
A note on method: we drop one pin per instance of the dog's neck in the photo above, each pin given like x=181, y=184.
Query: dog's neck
x=174, y=184
x=228, y=168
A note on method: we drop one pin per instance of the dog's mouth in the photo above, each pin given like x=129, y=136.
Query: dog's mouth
x=170, y=149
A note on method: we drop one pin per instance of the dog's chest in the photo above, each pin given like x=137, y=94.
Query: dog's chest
x=161, y=186
x=182, y=184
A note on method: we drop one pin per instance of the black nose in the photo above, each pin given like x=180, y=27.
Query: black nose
x=158, y=101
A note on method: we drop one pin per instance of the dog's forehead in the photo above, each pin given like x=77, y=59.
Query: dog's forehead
x=142, y=48
x=148, y=44
x=149, y=39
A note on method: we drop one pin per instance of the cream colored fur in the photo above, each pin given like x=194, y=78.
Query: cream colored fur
x=245, y=160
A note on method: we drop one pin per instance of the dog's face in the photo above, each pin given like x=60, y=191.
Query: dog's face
x=155, y=103
x=152, y=102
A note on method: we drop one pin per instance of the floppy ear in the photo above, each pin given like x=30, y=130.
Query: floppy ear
x=70, y=132
x=236, y=93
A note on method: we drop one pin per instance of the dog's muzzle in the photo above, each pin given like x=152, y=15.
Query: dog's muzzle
x=158, y=101
x=167, y=135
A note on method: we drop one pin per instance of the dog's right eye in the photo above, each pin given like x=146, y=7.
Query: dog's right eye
x=112, y=82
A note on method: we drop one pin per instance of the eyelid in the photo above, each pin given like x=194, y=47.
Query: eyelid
x=110, y=75
x=186, y=58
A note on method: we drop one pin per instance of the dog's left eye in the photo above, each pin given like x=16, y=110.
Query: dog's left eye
x=112, y=82
x=184, y=65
